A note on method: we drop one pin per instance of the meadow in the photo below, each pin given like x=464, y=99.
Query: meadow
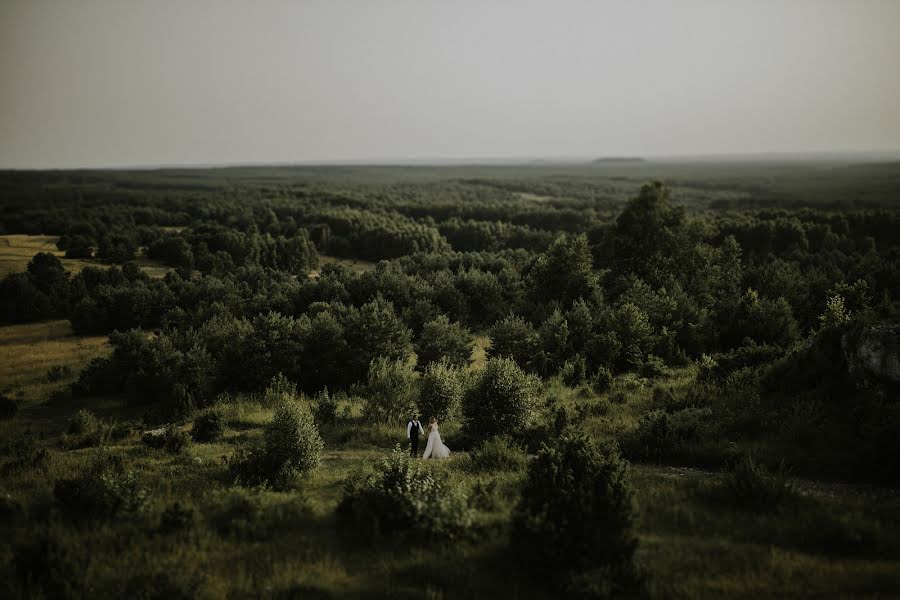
x=747, y=481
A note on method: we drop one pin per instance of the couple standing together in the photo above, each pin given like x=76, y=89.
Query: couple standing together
x=435, y=447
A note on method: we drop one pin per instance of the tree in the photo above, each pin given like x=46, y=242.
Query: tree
x=389, y=391
x=503, y=399
x=514, y=338
x=576, y=511
x=440, y=391
x=564, y=272
x=648, y=236
x=442, y=339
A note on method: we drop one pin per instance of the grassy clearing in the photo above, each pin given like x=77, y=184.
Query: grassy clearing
x=17, y=250
x=355, y=265
x=28, y=352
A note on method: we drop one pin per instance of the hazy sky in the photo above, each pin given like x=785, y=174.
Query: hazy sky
x=95, y=83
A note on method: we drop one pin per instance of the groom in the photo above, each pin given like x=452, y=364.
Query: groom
x=413, y=429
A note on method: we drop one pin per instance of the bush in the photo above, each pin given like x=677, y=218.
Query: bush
x=105, y=489
x=497, y=454
x=441, y=391
x=325, y=409
x=8, y=408
x=389, y=391
x=53, y=565
x=654, y=368
x=574, y=371
x=503, y=399
x=170, y=438
x=84, y=430
x=659, y=434
x=58, y=373
x=253, y=514
x=602, y=380
x=576, y=509
x=291, y=449
x=755, y=487
x=209, y=426
x=176, y=518
x=24, y=454
x=403, y=497
x=83, y=422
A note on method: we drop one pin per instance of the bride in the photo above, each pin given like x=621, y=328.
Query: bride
x=435, y=447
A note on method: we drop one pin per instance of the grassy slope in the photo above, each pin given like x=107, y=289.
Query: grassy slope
x=836, y=541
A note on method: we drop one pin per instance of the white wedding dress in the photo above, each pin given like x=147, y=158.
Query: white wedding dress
x=435, y=447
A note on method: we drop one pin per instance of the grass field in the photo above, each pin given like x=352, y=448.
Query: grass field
x=17, y=250
x=28, y=352
x=836, y=541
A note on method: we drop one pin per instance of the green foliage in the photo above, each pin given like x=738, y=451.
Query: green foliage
x=52, y=564
x=513, y=338
x=325, y=409
x=389, y=392
x=25, y=454
x=441, y=391
x=836, y=314
x=170, y=439
x=576, y=511
x=291, y=449
x=757, y=488
x=209, y=426
x=502, y=400
x=441, y=339
x=565, y=271
x=654, y=368
x=177, y=518
x=106, y=489
x=402, y=497
x=497, y=454
x=660, y=436
x=602, y=380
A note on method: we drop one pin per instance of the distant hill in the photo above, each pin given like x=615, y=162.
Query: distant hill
x=618, y=160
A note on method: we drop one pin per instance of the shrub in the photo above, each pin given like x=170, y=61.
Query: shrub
x=441, y=391
x=503, y=399
x=84, y=430
x=279, y=387
x=291, y=448
x=170, y=438
x=402, y=497
x=254, y=514
x=176, y=518
x=325, y=409
x=8, y=408
x=602, y=380
x=209, y=426
x=496, y=454
x=58, y=373
x=83, y=422
x=576, y=509
x=104, y=490
x=654, y=368
x=52, y=564
x=574, y=371
x=753, y=486
x=24, y=453
x=660, y=434
x=388, y=391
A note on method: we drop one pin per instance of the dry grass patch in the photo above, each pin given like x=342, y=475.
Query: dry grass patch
x=28, y=352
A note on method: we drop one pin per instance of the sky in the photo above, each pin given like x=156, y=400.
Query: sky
x=90, y=83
